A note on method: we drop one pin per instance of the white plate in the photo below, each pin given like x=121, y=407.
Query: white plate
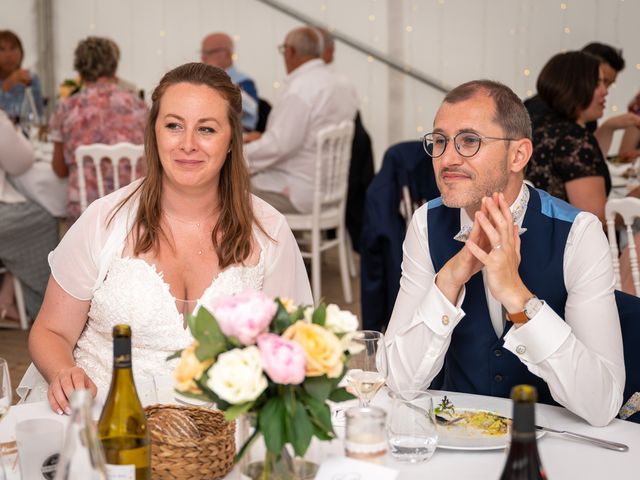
x=460, y=437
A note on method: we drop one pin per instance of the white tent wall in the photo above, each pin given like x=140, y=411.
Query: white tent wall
x=449, y=40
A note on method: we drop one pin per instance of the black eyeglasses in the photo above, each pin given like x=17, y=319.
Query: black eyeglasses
x=466, y=144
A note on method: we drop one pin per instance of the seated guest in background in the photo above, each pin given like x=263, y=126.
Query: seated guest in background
x=100, y=113
x=217, y=50
x=27, y=231
x=282, y=160
x=492, y=244
x=148, y=254
x=14, y=79
x=567, y=161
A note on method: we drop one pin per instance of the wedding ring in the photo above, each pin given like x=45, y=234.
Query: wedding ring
x=497, y=247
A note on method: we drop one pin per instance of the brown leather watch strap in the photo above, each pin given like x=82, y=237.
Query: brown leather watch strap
x=519, y=317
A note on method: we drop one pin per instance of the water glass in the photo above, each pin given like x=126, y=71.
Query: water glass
x=39, y=443
x=365, y=433
x=412, y=431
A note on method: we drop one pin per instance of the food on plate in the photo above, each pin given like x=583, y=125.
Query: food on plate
x=485, y=422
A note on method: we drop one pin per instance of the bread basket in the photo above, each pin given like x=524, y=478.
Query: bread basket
x=189, y=442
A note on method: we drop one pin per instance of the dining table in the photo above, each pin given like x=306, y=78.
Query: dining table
x=562, y=457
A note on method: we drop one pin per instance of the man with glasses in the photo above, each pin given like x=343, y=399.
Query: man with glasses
x=217, y=50
x=282, y=160
x=501, y=283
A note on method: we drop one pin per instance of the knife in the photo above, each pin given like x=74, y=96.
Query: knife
x=618, y=447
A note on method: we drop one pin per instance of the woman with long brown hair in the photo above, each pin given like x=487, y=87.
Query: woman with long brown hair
x=153, y=251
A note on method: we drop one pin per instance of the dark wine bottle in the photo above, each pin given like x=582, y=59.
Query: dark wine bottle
x=523, y=460
x=123, y=426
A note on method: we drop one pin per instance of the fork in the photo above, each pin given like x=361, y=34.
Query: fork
x=446, y=421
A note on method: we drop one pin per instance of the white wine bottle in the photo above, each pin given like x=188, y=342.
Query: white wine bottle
x=123, y=426
x=82, y=456
x=523, y=460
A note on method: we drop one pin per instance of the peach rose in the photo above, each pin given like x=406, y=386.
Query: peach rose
x=189, y=369
x=322, y=349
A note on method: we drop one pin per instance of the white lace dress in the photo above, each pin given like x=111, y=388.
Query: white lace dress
x=89, y=265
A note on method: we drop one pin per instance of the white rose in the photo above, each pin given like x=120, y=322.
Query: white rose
x=237, y=376
x=308, y=315
x=340, y=321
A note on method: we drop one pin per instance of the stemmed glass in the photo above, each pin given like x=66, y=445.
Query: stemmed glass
x=367, y=367
x=5, y=388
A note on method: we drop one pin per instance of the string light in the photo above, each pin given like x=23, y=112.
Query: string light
x=526, y=72
x=276, y=84
x=529, y=92
x=567, y=30
x=372, y=18
x=563, y=6
x=162, y=33
x=637, y=66
x=370, y=59
x=419, y=129
x=409, y=28
x=614, y=108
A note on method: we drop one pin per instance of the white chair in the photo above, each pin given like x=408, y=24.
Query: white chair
x=629, y=209
x=20, y=305
x=333, y=153
x=117, y=153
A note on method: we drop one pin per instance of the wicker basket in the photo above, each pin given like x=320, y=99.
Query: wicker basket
x=180, y=457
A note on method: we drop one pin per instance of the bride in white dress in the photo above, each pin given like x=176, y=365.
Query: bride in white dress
x=150, y=253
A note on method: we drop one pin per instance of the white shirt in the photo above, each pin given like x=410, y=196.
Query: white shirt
x=16, y=157
x=580, y=358
x=283, y=159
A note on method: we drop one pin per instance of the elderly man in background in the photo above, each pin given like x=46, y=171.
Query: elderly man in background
x=282, y=159
x=217, y=50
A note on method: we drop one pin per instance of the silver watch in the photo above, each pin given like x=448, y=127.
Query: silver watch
x=532, y=307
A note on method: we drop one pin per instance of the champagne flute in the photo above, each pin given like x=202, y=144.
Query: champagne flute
x=367, y=367
x=5, y=388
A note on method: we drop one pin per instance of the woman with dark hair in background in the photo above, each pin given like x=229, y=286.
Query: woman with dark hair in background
x=100, y=113
x=188, y=233
x=567, y=161
x=14, y=79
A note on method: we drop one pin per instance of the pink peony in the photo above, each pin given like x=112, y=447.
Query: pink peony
x=283, y=360
x=245, y=315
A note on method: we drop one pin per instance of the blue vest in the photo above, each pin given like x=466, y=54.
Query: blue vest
x=477, y=361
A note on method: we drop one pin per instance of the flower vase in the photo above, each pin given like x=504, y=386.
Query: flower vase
x=274, y=467
x=281, y=467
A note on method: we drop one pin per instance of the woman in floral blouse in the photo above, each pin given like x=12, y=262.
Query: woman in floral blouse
x=567, y=161
x=100, y=113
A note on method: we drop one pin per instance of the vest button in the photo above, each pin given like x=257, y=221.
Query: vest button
x=520, y=349
x=497, y=352
x=445, y=320
x=498, y=378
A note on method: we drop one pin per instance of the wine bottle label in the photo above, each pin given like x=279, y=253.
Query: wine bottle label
x=121, y=472
x=122, y=352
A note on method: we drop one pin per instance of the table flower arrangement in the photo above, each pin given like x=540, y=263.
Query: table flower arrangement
x=270, y=359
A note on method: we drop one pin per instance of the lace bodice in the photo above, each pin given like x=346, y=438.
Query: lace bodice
x=136, y=294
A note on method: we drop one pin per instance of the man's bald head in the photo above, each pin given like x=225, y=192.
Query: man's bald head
x=217, y=50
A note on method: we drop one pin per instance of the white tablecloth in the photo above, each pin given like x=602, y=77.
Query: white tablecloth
x=562, y=458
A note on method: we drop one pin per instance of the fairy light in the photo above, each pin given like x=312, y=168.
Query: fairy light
x=276, y=84
x=163, y=34
x=370, y=59
x=614, y=108
x=567, y=30
x=529, y=92
x=419, y=129
x=409, y=28
x=637, y=66
x=372, y=18
x=563, y=6
x=526, y=72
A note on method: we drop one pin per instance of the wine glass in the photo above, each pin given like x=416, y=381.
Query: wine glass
x=367, y=366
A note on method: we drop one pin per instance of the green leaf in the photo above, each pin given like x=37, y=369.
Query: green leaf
x=340, y=395
x=299, y=313
x=271, y=422
x=281, y=321
x=318, y=387
x=174, y=355
x=319, y=412
x=234, y=411
x=211, y=340
x=302, y=430
x=234, y=342
x=320, y=315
